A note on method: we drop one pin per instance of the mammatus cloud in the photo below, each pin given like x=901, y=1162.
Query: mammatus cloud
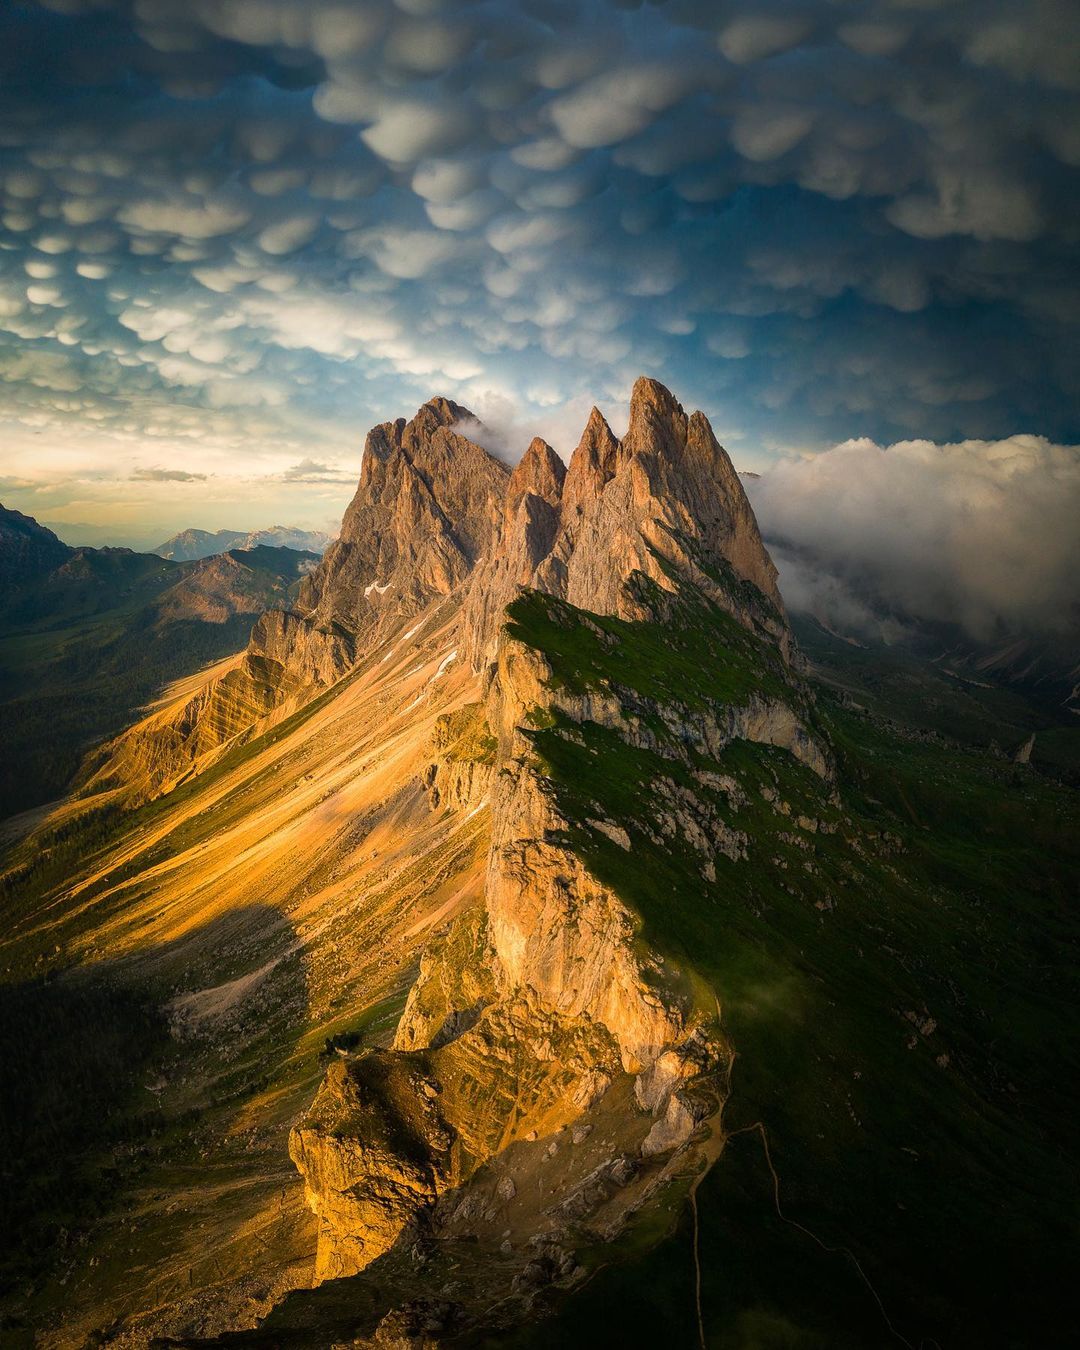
x=979, y=533
x=246, y=230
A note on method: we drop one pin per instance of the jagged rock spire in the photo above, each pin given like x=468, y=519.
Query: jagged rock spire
x=665, y=496
x=530, y=523
x=592, y=465
x=541, y=472
x=437, y=517
x=427, y=508
x=657, y=424
x=667, y=490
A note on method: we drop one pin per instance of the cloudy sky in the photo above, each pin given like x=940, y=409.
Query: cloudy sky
x=236, y=233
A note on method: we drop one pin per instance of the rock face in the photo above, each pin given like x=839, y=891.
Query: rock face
x=535, y=1012
x=553, y=927
x=527, y=531
x=425, y=511
x=427, y=508
x=665, y=496
x=667, y=489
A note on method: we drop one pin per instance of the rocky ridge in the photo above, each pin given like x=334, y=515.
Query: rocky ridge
x=540, y=1012
x=549, y=972
x=480, y=925
x=436, y=515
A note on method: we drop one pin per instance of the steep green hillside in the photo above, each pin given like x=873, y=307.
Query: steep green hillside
x=926, y=696
x=896, y=970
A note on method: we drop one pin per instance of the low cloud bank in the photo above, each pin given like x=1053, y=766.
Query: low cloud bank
x=983, y=534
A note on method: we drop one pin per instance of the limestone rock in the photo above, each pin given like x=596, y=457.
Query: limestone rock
x=427, y=508
x=527, y=532
x=373, y=1150
x=665, y=496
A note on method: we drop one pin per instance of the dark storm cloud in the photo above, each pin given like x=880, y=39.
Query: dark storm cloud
x=263, y=223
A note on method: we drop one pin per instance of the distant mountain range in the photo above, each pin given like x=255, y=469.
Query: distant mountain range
x=26, y=549
x=88, y=635
x=190, y=545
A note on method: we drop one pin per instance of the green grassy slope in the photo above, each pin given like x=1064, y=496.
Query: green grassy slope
x=920, y=694
x=900, y=989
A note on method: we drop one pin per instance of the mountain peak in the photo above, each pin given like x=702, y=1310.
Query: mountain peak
x=439, y=412
x=658, y=423
x=27, y=549
x=447, y=410
x=427, y=507
x=540, y=471
x=593, y=463
x=648, y=392
x=597, y=432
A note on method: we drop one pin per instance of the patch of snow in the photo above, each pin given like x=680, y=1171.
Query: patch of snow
x=376, y=587
x=444, y=664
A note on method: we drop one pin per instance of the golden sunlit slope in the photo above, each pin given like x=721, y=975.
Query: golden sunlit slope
x=279, y=898
x=257, y=867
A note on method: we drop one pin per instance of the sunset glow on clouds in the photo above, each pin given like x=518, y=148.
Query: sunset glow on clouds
x=235, y=233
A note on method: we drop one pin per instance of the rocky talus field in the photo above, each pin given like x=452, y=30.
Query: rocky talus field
x=530, y=940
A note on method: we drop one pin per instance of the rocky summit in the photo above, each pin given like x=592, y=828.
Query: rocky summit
x=518, y=943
